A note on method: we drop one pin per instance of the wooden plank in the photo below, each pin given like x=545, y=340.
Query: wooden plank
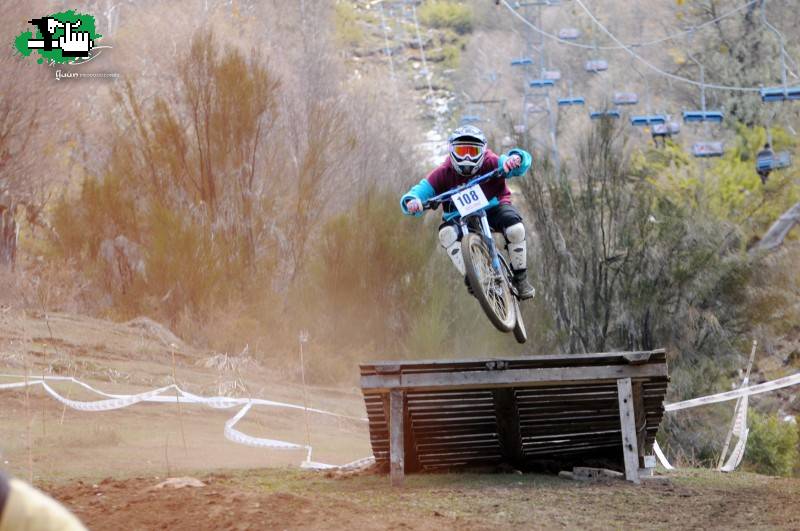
x=510, y=378
x=627, y=419
x=397, y=464
x=564, y=359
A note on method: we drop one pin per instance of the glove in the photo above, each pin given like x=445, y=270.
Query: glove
x=413, y=206
x=512, y=163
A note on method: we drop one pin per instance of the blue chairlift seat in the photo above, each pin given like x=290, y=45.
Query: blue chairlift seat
x=566, y=102
x=555, y=75
x=522, y=61
x=708, y=149
x=596, y=65
x=625, y=98
x=470, y=119
x=773, y=161
x=666, y=130
x=569, y=34
x=780, y=94
x=702, y=116
x=540, y=83
x=648, y=119
x=611, y=113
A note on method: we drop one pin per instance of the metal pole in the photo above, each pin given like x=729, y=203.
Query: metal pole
x=303, y=339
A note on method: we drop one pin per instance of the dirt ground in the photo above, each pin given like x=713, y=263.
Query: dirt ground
x=291, y=499
x=104, y=465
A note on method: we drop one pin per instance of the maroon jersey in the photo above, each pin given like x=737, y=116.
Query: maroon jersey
x=444, y=178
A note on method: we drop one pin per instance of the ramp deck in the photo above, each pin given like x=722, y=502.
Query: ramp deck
x=428, y=415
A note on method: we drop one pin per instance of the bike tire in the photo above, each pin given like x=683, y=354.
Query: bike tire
x=497, y=304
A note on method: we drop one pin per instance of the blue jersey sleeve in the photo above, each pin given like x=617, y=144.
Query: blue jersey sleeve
x=422, y=191
x=523, y=168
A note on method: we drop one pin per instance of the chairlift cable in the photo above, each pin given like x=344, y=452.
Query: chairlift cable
x=621, y=45
x=653, y=67
x=422, y=54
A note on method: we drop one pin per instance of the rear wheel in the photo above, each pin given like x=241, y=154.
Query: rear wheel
x=490, y=288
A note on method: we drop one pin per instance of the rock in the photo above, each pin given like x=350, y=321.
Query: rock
x=179, y=483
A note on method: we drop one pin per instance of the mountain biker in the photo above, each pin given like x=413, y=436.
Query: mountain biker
x=470, y=157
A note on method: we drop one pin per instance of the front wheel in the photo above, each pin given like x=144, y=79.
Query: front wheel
x=489, y=287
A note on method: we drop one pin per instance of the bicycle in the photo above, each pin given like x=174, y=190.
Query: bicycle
x=488, y=272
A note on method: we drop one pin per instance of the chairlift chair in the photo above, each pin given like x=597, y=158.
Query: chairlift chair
x=569, y=34
x=708, y=149
x=610, y=113
x=644, y=120
x=554, y=75
x=767, y=160
x=625, y=98
x=773, y=94
x=522, y=61
x=541, y=83
x=702, y=116
x=665, y=130
x=570, y=101
x=596, y=65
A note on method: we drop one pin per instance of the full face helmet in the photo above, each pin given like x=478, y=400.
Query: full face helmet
x=467, y=149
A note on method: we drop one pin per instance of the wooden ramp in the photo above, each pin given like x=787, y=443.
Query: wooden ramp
x=428, y=415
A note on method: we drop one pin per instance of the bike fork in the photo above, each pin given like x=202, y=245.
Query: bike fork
x=487, y=237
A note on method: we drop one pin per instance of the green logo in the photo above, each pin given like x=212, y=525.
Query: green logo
x=67, y=37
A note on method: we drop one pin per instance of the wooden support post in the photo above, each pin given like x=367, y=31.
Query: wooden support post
x=507, y=414
x=627, y=419
x=410, y=459
x=396, y=438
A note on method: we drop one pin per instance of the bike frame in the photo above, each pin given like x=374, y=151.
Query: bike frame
x=463, y=222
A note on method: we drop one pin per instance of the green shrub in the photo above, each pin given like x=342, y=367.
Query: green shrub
x=348, y=32
x=447, y=14
x=771, y=446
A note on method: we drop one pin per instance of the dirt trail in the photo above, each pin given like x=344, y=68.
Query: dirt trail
x=286, y=499
x=137, y=447
x=149, y=438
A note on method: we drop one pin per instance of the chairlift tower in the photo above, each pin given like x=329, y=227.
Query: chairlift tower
x=536, y=99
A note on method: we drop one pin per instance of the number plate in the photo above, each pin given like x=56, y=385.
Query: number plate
x=470, y=200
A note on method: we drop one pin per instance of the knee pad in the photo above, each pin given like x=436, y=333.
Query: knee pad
x=448, y=235
x=515, y=233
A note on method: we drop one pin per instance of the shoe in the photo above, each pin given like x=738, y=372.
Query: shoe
x=524, y=288
x=469, y=286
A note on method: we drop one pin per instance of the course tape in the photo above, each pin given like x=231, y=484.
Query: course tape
x=740, y=424
x=116, y=401
x=786, y=381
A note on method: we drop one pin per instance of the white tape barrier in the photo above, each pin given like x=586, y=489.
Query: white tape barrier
x=786, y=381
x=113, y=401
x=661, y=457
x=740, y=425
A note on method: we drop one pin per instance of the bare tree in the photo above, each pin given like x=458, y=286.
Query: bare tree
x=24, y=116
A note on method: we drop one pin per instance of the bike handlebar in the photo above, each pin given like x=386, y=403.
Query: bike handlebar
x=434, y=202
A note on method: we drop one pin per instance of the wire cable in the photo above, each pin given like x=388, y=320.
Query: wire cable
x=653, y=67
x=621, y=45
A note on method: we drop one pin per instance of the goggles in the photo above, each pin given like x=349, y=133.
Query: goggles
x=470, y=151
